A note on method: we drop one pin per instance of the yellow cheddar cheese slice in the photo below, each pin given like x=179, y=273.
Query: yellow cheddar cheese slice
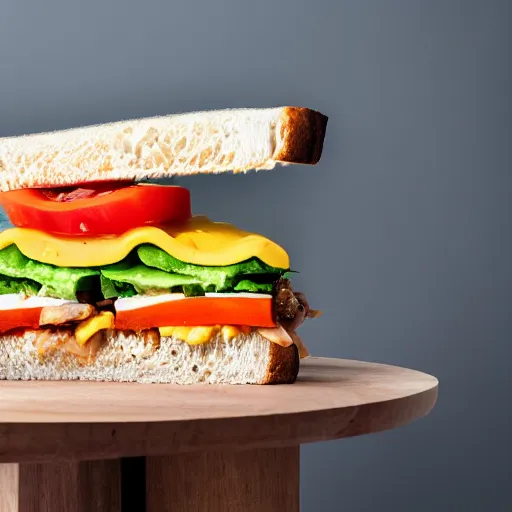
x=88, y=328
x=198, y=241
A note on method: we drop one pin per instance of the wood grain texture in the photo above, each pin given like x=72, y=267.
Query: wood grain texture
x=260, y=480
x=332, y=398
x=9, y=487
x=72, y=487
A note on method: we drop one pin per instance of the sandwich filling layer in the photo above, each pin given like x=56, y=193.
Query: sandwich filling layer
x=171, y=274
x=149, y=288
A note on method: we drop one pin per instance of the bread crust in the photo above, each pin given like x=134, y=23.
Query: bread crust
x=236, y=140
x=303, y=133
x=283, y=366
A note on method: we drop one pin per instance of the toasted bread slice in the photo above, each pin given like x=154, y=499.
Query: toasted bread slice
x=128, y=357
x=160, y=147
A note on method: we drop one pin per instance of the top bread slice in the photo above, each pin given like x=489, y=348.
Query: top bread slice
x=176, y=145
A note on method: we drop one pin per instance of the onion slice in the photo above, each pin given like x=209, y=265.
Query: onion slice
x=276, y=335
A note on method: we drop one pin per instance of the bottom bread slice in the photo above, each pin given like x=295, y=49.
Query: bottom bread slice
x=125, y=357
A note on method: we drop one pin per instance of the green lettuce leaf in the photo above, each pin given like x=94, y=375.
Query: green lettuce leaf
x=13, y=285
x=220, y=277
x=113, y=289
x=108, y=288
x=147, y=280
x=193, y=290
x=60, y=282
x=250, y=286
x=147, y=270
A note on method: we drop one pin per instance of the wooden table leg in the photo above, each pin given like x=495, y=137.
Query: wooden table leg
x=259, y=480
x=68, y=486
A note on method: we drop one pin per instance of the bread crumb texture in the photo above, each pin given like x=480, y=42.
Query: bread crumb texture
x=202, y=142
x=125, y=357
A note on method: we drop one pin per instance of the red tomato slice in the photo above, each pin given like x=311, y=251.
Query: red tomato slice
x=103, y=211
x=19, y=318
x=193, y=311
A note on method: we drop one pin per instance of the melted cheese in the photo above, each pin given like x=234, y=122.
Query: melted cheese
x=198, y=241
x=204, y=334
x=88, y=328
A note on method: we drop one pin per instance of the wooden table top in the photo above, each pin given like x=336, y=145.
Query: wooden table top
x=332, y=398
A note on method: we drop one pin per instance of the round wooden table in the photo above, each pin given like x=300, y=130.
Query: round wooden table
x=87, y=446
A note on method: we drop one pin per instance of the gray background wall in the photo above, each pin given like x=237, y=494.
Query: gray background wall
x=401, y=234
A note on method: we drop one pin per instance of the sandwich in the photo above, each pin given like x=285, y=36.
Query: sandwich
x=108, y=275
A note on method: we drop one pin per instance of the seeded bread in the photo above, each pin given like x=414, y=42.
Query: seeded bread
x=160, y=147
x=246, y=359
